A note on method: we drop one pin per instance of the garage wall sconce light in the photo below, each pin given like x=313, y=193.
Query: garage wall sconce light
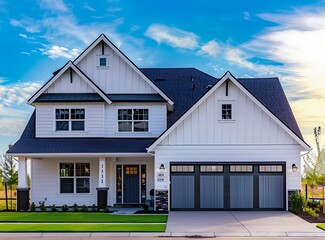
x=294, y=168
x=162, y=168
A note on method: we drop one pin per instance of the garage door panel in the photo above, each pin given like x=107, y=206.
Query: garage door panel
x=241, y=191
x=211, y=192
x=271, y=191
x=182, y=191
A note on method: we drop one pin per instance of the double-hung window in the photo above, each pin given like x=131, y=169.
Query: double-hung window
x=133, y=120
x=70, y=119
x=74, y=177
x=226, y=111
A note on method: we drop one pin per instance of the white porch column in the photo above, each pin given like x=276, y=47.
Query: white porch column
x=22, y=172
x=22, y=190
x=102, y=173
x=102, y=187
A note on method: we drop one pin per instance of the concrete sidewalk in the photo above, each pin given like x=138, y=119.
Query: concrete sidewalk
x=240, y=224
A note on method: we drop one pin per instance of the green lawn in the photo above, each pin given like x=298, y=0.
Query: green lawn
x=79, y=217
x=321, y=226
x=82, y=227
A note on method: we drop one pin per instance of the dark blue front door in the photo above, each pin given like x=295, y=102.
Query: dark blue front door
x=131, y=184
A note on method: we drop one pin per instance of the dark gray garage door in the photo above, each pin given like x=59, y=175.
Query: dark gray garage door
x=228, y=186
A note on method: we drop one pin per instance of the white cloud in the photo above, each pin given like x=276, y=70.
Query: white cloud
x=298, y=43
x=172, y=36
x=28, y=24
x=55, y=6
x=12, y=95
x=57, y=52
x=11, y=126
x=89, y=8
x=212, y=48
x=247, y=16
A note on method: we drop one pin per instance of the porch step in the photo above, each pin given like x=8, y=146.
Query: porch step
x=129, y=205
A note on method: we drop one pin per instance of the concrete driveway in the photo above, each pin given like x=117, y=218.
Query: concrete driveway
x=239, y=224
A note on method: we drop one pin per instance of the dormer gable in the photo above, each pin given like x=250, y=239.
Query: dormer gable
x=227, y=112
x=114, y=72
x=70, y=79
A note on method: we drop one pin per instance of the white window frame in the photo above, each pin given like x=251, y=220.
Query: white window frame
x=70, y=120
x=233, y=111
x=99, y=56
x=74, y=178
x=132, y=108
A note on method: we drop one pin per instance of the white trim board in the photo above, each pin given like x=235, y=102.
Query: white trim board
x=228, y=76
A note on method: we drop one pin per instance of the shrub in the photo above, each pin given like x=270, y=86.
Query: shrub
x=311, y=212
x=84, y=208
x=33, y=207
x=145, y=208
x=65, y=208
x=53, y=208
x=93, y=208
x=42, y=206
x=75, y=207
x=297, y=202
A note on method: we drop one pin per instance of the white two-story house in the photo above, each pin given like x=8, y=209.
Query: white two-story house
x=106, y=132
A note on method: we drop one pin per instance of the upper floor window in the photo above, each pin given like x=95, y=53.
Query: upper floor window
x=226, y=111
x=102, y=61
x=133, y=120
x=70, y=119
x=74, y=177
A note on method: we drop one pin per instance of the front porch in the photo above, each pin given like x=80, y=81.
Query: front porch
x=103, y=181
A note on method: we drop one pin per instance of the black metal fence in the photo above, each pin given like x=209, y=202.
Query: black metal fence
x=8, y=203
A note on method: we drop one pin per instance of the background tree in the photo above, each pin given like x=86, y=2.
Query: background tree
x=9, y=173
x=315, y=164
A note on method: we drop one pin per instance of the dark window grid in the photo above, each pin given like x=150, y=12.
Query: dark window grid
x=226, y=111
x=78, y=180
x=78, y=113
x=62, y=114
x=133, y=120
x=75, y=123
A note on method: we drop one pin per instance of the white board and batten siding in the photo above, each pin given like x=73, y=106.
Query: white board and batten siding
x=64, y=84
x=117, y=77
x=252, y=136
x=250, y=125
x=94, y=120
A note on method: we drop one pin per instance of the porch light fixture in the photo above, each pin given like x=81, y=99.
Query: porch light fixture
x=294, y=168
x=162, y=168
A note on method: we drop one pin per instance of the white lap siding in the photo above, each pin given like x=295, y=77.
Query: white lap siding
x=94, y=122
x=45, y=183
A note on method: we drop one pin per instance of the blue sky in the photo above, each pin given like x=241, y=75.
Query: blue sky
x=250, y=38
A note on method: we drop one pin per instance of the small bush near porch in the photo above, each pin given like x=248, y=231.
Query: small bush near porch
x=79, y=217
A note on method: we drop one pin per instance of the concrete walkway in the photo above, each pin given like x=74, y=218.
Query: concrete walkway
x=240, y=224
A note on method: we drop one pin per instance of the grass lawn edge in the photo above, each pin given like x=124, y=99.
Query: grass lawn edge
x=32, y=228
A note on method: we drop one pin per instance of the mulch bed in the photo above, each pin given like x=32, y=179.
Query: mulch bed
x=308, y=218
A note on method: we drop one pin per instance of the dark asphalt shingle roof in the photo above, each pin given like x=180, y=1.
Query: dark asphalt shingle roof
x=184, y=86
